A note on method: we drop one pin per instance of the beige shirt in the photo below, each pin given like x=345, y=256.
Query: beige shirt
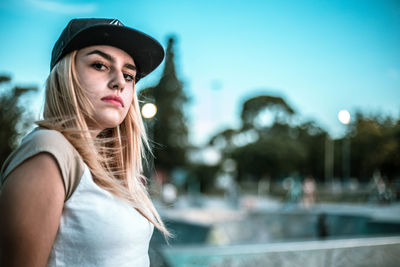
x=53, y=142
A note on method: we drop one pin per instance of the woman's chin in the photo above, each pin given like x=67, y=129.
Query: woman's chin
x=110, y=124
x=105, y=123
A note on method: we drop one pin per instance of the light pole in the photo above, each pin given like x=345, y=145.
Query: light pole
x=345, y=118
x=329, y=160
x=148, y=111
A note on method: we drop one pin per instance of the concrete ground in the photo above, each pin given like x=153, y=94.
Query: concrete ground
x=228, y=228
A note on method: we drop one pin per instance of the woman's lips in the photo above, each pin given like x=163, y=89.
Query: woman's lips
x=113, y=99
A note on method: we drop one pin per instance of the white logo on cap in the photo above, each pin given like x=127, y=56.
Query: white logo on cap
x=116, y=22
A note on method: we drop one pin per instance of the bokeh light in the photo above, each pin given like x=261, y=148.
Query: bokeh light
x=344, y=116
x=149, y=110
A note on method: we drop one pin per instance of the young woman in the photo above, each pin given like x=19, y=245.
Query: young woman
x=73, y=194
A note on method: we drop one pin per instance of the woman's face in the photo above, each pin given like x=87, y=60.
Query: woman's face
x=107, y=74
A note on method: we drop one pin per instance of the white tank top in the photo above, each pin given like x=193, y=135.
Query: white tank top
x=96, y=228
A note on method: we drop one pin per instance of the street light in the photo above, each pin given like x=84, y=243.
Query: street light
x=345, y=118
x=149, y=110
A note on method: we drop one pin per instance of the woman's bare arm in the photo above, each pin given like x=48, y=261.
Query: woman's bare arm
x=31, y=204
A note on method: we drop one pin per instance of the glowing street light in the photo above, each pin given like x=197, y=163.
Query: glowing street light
x=149, y=110
x=344, y=116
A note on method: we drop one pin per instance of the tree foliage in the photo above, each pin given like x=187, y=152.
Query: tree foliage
x=275, y=150
x=168, y=129
x=13, y=118
x=284, y=148
x=281, y=150
x=375, y=145
x=253, y=107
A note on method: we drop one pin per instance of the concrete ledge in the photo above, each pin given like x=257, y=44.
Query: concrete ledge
x=378, y=251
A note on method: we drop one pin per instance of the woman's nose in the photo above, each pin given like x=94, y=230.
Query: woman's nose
x=117, y=81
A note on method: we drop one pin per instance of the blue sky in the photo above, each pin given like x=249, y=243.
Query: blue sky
x=321, y=56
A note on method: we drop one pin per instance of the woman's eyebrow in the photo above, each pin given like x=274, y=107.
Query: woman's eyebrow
x=102, y=54
x=130, y=66
x=111, y=59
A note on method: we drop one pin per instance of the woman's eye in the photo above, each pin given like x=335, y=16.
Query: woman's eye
x=129, y=77
x=99, y=66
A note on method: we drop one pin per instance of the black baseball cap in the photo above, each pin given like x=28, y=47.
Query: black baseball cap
x=80, y=33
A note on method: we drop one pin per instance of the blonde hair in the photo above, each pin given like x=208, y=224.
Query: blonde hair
x=115, y=156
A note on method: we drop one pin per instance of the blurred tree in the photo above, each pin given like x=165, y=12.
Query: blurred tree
x=275, y=150
x=168, y=128
x=375, y=145
x=224, y=140
x=313, y=139
x=275, y=155
x=280, y=148
x=283, y=149
x=13, y=119
x=253, y=107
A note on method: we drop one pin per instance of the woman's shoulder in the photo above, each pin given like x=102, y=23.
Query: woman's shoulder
x=42, y=140
x=41, y=134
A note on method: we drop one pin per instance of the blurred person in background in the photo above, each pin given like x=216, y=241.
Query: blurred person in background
x=73, y=193
x=309, y=192
x=378, y=190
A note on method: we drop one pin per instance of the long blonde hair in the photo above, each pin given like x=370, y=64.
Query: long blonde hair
x=115, y=156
